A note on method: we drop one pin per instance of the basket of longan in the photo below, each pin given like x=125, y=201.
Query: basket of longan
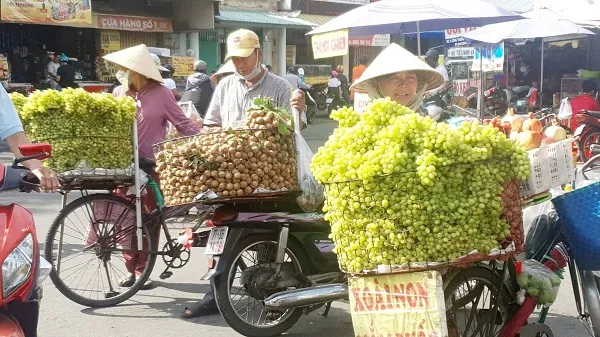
x=256, y=161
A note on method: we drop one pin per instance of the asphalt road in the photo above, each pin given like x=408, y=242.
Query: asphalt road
x=156, y=312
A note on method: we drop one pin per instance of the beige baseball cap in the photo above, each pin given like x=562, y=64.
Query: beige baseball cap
x=242, y=43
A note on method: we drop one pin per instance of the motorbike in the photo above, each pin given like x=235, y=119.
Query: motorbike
x=271, y=258
x=23, y=269
x=587, y=133
x=311, y=106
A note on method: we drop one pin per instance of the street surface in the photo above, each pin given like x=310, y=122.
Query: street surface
x=156, y=312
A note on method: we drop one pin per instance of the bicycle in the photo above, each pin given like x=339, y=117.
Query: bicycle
x=110, y=232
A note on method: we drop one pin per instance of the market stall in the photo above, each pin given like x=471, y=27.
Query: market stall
x=541, y=23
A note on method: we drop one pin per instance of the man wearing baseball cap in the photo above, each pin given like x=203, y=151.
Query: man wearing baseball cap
x=234, y=94
x=232, y=98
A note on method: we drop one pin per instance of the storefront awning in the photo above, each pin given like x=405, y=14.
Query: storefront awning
x=317, y=20
x=256, y=17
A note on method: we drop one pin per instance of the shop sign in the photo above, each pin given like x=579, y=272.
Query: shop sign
x=349, y=2
x=379, y=40
x=184, y=65
x=399, y=305
x=58, y=12
x=490, y=56
x=454, y=36
x=330, y=44
x=461, y=52
x=134, y=23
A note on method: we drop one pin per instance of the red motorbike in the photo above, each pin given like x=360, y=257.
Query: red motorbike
x=587, y=133
x=23, y=269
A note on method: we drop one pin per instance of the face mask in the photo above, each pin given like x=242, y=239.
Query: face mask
x=123, y=77
x=255, y=72
x=523, y=69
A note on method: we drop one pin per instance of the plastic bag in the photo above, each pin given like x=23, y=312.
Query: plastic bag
x=538, y=280
x=565, y=111
x=190, y=112
x=312, y=192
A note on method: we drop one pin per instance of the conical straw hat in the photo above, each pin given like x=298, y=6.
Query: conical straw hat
x=136, y=59
x=394, y=59
x=227, y=68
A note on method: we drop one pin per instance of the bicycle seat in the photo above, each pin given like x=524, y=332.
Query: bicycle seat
x=147, y=165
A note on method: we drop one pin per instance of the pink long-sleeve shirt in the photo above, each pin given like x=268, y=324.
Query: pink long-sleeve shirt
x=155, y=107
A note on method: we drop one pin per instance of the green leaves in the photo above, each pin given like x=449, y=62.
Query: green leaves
x=266, y=105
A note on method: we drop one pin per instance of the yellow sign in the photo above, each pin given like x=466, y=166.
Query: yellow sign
x=330, y=44
x=111, y=40
x=398, y=305
x=59, y=12
x=184, y=65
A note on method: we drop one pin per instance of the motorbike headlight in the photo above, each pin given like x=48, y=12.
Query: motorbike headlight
x=16, y=268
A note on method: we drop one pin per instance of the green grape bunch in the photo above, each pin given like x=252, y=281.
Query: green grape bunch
x=402, y=188
x=82, y=127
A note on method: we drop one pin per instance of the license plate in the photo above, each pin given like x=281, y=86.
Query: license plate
x=216, y=241
x=329, y=101
x=579, y=131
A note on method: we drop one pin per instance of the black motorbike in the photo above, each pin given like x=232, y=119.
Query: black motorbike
x=318, y=92
x=258, y=256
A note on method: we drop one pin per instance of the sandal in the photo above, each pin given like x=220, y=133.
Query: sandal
x=198, y=310
x=127, y=281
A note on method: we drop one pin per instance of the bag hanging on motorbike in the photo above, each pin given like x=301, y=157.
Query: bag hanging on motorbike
x=312, y=192
x=565, y=111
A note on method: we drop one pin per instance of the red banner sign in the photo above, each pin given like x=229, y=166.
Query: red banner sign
x=134, y=23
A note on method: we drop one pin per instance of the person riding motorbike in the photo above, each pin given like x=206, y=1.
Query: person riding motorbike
x=233, y=96
x=11, y=131
x=434, y=100
x=587, y=101
x=400, y=75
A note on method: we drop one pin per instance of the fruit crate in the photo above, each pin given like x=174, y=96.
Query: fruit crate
x=552, y=165
x=231, y=166
x=506, y=248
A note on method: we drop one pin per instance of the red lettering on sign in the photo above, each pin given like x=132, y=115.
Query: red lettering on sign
x=359, y=306
x=368, y=299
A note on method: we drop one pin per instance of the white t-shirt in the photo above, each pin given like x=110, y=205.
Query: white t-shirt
x=442, y=70
x=334, y=82
x=169, y=83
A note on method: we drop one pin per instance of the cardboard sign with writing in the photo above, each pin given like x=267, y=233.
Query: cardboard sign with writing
x=361, y=100
x=184, y=65
x=398, y=305
x=330, y=44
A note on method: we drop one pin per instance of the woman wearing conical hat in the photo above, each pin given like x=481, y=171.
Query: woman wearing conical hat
x=400, y=75
x=156, y=105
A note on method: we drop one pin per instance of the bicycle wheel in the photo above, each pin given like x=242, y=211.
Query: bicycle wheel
x=590, y=308
x=85, y=244
x=477, y=303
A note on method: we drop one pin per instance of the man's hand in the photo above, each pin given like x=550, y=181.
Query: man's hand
x=298, y=101
x=48, y=180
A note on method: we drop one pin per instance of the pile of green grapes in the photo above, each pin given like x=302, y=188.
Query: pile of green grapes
x=82, y=127
x=402, y=188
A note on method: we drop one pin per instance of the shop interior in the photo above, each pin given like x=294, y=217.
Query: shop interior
x=27, y=49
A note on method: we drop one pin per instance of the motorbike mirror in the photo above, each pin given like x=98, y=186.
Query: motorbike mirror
x=39, y=151
x=595, y=149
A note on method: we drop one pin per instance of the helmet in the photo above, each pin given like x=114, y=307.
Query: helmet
x=301, y=71
x=432, y=56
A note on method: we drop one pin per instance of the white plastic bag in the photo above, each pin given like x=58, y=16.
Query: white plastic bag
x=190, y=112
x=565, y=111
x=312, y=192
